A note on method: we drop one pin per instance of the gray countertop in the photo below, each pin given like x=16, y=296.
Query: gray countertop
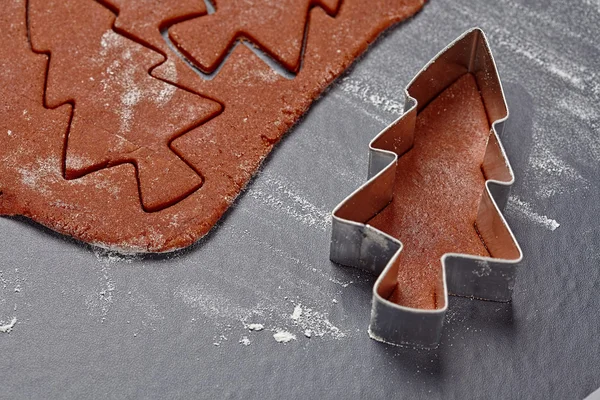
x=93, y=324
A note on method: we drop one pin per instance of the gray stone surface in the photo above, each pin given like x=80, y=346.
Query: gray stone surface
x=91, y=324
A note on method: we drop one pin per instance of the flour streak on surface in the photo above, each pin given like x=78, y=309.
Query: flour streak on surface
x=12, y=287
x=213, y=305
x=101, y=300
x=363, y=96
x=285, y=257
x=279, y=195
x=367, y=93
x=552, y=174
x=518, y=207
x=273, y=315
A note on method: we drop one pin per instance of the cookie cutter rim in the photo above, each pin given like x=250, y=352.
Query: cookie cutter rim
x=356, y=243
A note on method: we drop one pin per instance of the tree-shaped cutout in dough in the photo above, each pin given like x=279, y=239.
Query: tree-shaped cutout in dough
x=437, y=191
x=143, y=19
x=25, y=124
x=265, y=23
x=121, y=114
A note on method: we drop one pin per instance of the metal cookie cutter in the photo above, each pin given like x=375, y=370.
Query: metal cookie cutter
x=357, y=244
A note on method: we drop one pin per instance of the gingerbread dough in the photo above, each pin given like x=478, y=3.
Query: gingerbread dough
x=438, y=188
x=100, y=156
x=121, y=113
x=143, y=21
x=277, y=27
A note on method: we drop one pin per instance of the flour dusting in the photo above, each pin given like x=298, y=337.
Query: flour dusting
x=553, y=175
x=77, y=162
x=100, y=301
x=133, y=85
x=278, y=195
x=283, y=336
x=41, y=174
x=245, y=341
x=256, y=327
x=221, y=310
x=519, y=207
x=8, y=327
x=362, y=90
x=297, y=312
x=211, y=305
x=316, y=322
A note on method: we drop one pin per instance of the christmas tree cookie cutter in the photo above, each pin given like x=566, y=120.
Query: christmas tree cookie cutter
x=356, y=243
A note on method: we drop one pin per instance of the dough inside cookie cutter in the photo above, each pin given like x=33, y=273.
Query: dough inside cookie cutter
x=355, y=242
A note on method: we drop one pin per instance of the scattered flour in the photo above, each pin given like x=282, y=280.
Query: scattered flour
x=256, y=327
x=551, y=174
x=169, y=71
x=279, y=196
x=7, y=328
x=341, y=283
x=535, y=52
x=221, y=311
x=245, y=341
x=484, y=269
x=101, y=299
x=77, y=162
x=297, y=312
x=519, y=207
x=283, y=336
x=41, y=174
x=359, y=88
x=315, y=321
x=301, y=262
x=211, y=305
x=581, y=107
x=123, y=77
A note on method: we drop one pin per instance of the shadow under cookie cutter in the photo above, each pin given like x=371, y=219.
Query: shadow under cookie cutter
x=357, y=244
